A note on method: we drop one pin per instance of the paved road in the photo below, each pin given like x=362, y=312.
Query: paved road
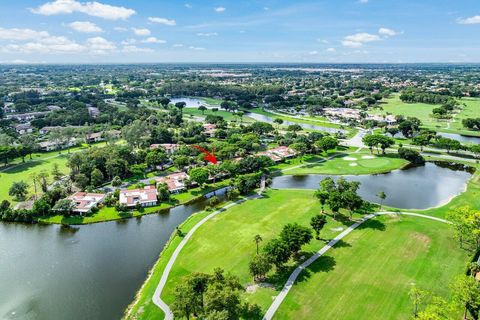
x=293, y=277
x=166, y=272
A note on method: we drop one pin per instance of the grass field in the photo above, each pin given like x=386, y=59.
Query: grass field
x=344, y=163
x=423, y=111
x=431, y=265
x=370, y=274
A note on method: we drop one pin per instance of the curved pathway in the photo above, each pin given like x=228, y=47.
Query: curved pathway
x=166, y=272
x=291, y=279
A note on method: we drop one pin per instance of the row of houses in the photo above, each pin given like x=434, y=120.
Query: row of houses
x=355, y=114
x=279, y=153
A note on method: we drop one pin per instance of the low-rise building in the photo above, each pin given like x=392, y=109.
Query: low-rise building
x=175, y=182
x=146, y=197
x=94, y=137
x=46, y=130
x=279, y=153
x=83, y=202
x=209, y=129
x=23, y=128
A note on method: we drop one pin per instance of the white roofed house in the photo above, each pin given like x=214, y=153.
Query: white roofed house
x=170, y=148
x=145, y=197
x=209, y=129
x=84, y=202
x=175, y=182
x=94, y=137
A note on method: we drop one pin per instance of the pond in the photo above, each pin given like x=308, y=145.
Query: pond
x=459, y=137
x=85, y=272
x=419, y=187
x=264, y=118
x=192, y=102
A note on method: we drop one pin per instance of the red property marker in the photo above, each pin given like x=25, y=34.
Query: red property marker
x=210, y=157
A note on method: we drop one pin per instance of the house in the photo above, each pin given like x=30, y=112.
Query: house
x=279, y=153
x=93, y=112
x=94, y=137
x=55, y=145
x=23, y=128
x=170, y=148
x=176, y=182
x=84, y=202
x=22, y=117
x=209, y=129
x=146, y=197
x=46, y=130
x=53, y=108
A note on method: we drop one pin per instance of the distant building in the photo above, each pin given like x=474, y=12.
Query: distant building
x=53, y=108
x=146, y=197
x=23, y=128
x=175, y=181
x=22, y=117
x=93, y=112
x=94, y=137
x=54, y=145
x=46, y=130
x=209, y=129
x=84, y=202
x=279, y=153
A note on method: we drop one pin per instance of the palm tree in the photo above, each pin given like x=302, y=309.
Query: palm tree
x=382, y=197
x=257, y=240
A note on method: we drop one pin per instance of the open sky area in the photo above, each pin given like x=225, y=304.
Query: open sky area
x=71, y=31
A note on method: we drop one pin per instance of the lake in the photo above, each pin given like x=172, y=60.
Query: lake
x=458, y=137
x=193, y=102
x=414, y=188
x=264, y=118
x=83, y=272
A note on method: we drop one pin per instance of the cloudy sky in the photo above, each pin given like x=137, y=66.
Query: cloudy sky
x=63, y=31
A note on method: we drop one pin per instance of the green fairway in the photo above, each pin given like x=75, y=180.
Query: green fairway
x=24, y=171
x=423, y=111
x=349, y=164
x=397, y=251
x=370, y=274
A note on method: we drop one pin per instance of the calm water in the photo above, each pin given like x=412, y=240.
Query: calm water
x=414, y=188
x=463, y=139
x=192, y=102
x=263, y=118
x=84, y=272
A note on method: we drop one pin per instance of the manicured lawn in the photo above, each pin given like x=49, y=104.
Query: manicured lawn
x=397, y=251
x=423, y=111
x=370, y=274
x=24, y=171
x=344, y=163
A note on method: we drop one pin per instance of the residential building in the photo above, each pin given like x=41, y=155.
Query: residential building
x=146, y=197
x=84, y=201
x=170, y=148
x=176, y=182
x=209, y=129
x=23, y=128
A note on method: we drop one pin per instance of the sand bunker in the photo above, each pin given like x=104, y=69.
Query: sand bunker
x=349, y=159
x=368, y=157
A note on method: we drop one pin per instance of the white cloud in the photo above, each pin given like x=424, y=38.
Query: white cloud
x=128, y=42
x=331, y=49
x=91, y=8
x=357, y=40
x=120, y=29
x=141, y=32
x=220, y=9
x=207, y=34
x=471, y=20
x=163, y=21
x=178, y=45
x=99, y=45
x=388, y=32
x=313, y=53
x=51, y=44
x=153, y=40
x=21, y=34
x=135, y=49
x=196, y=48
x=188, y=6
x=85, y=26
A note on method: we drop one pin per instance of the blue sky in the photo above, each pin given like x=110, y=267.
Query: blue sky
x=62, y=31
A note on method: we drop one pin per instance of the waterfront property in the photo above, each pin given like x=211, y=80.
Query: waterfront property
x=84, y=201
x=145, y=197
x=176, y=182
